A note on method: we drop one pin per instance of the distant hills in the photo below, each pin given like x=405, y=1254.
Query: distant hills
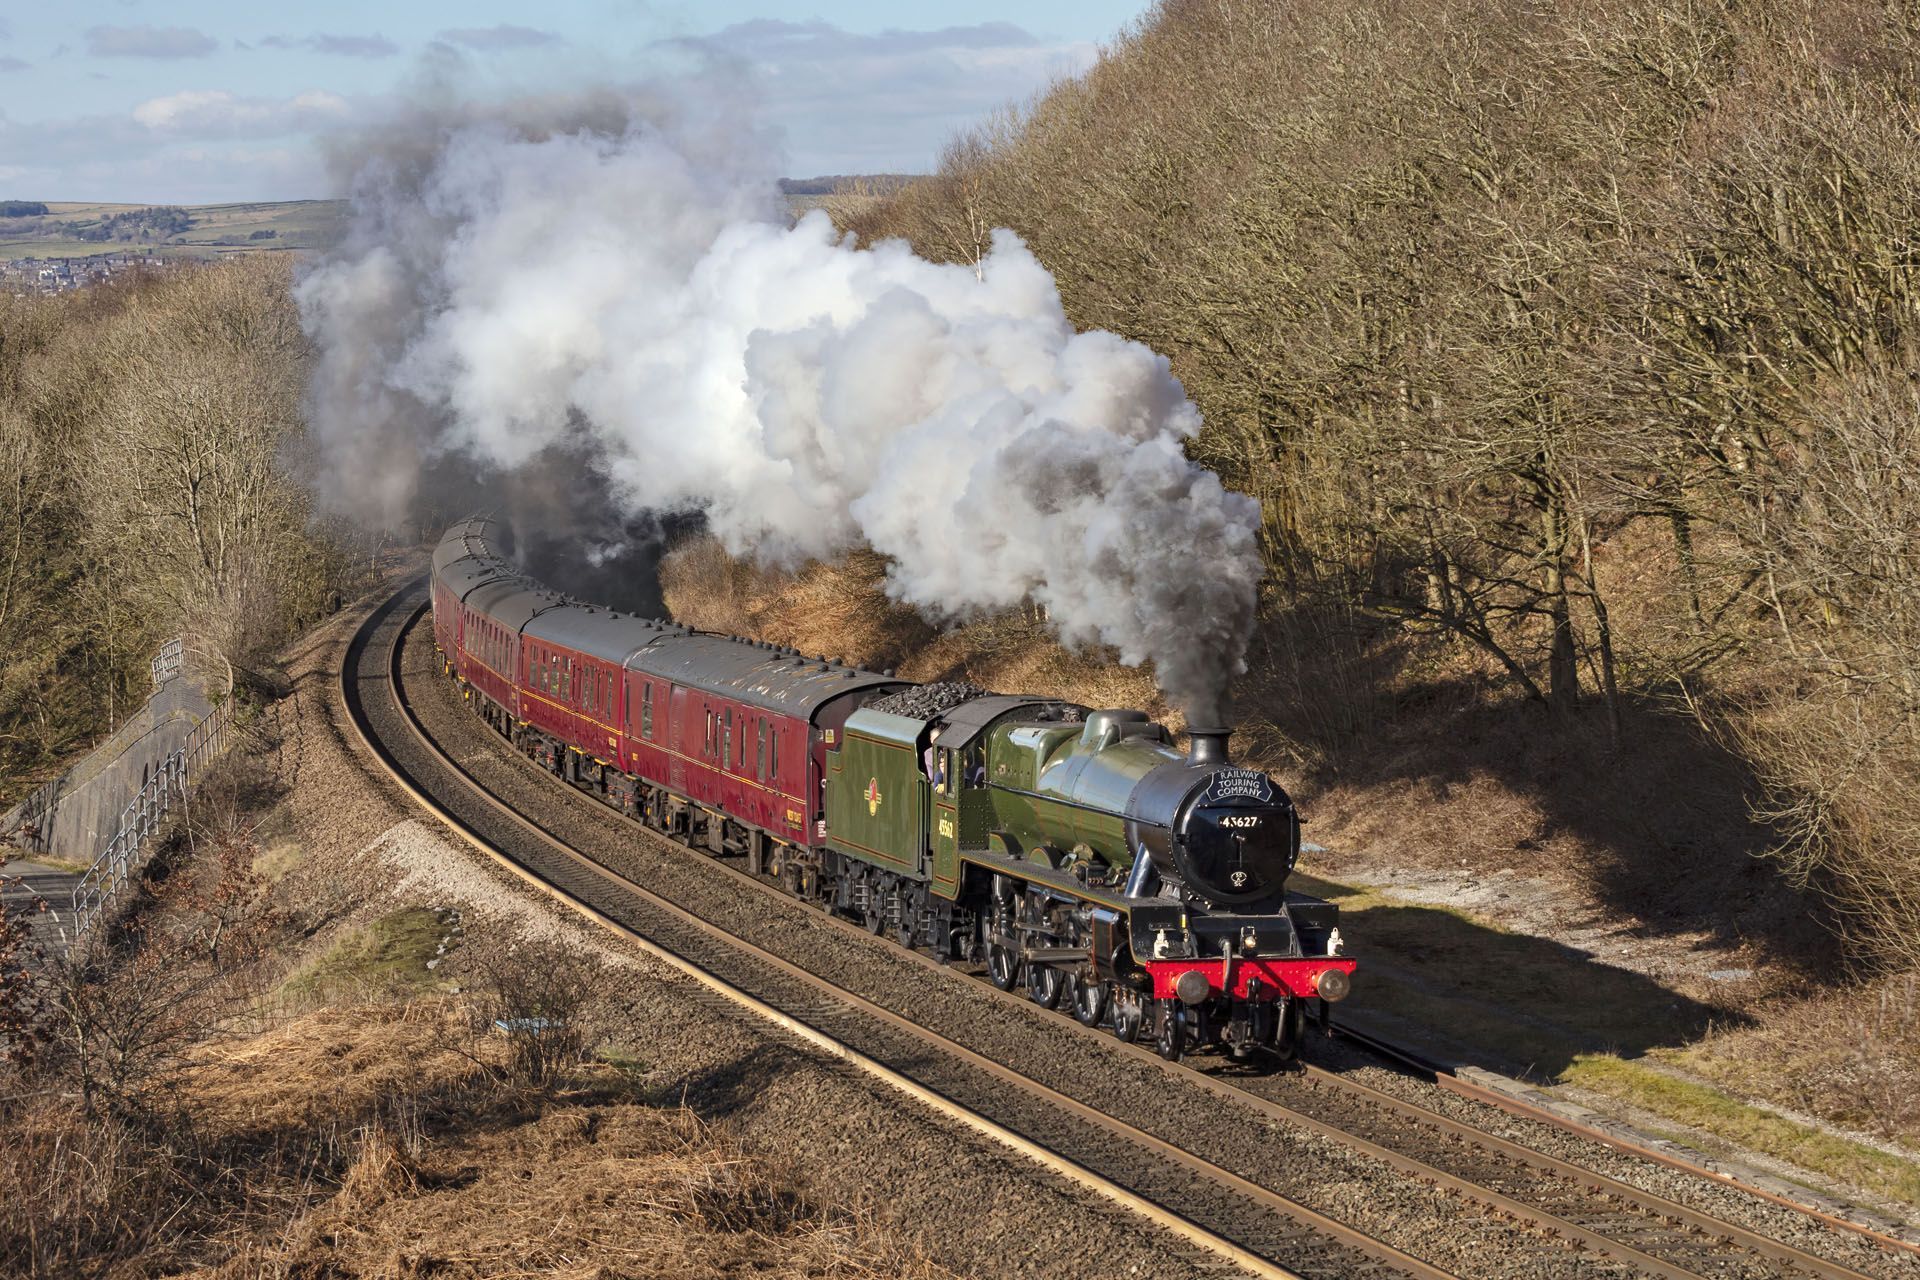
x=65, y=229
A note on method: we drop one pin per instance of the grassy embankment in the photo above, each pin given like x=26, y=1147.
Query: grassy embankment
x=260, y=1077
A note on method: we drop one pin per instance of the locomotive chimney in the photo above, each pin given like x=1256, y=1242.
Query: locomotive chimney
x=1207, y=745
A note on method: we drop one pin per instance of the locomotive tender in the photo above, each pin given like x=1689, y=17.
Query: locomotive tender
x=1076, y=852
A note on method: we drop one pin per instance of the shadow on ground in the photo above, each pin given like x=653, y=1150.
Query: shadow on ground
x=1404, y=747
x=1511, y=1003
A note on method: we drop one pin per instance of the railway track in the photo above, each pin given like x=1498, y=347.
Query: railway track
x=1538, y=1214
x=1249, y=1226
x=1446, y=1081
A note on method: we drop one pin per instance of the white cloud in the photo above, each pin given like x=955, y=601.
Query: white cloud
x=215, y=113
x=149, y=42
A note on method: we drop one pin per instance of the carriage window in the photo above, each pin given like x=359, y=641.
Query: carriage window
x=709, y=731
x=761, y=762
x=726, y=740
x=646, y=709
x=773, y=755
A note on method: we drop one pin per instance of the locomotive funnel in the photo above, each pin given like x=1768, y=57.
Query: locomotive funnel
x=1207, y=745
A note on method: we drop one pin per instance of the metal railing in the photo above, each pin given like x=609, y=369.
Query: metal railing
x=167, y=662
x=99, y=890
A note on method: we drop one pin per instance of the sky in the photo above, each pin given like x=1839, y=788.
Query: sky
x=208, y=101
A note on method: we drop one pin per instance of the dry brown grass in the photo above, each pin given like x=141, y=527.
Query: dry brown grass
x=447, y=1171
x=331, y=1063
x=842, y=610
x=391, y=1140
x=587, y=1191
x=1852, y=1056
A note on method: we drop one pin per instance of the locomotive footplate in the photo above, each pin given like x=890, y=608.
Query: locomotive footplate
x=1253, y=957
x=1254, y=979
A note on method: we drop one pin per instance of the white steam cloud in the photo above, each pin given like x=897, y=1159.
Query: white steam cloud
x=625, y=274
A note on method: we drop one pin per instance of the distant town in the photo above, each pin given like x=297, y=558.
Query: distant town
x=24, y=276
x=55, y=246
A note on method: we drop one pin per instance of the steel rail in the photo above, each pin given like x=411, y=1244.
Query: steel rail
x=941, y=1104
x=1644, y=1202
x=1454, y=1084
x=1598, y=1183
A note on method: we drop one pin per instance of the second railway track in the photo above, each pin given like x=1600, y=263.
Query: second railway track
x=1312, y=1176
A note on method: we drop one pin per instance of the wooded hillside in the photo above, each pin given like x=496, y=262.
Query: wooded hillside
x=147, y=432
x=1579, y=338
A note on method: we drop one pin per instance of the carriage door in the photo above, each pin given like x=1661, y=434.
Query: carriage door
x=946, y=825
x=676, y=738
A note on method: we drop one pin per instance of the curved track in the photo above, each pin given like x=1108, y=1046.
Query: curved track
x=1209, y=1206
x=1539, y=1213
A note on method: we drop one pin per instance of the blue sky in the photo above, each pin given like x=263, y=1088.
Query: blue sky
x=199, y=101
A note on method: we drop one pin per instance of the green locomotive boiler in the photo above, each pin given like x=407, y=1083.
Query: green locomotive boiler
x=1084, y=859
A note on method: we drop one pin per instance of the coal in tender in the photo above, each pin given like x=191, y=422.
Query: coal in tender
x=925, y=701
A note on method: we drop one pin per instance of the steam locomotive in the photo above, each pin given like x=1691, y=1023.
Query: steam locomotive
x=1075, y=852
